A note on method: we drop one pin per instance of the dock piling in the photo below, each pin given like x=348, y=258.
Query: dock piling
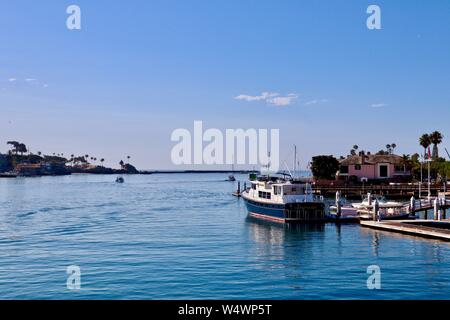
x=376, y=209
x=338, y=205
x=412, y=205
x=436, y=207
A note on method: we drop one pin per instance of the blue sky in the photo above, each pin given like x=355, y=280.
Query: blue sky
x=138, y=70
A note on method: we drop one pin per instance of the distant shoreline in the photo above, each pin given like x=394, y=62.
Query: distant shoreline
x=143, y=172
x=196, y=171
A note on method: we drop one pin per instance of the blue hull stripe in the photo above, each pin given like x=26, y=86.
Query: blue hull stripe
x=276, y=211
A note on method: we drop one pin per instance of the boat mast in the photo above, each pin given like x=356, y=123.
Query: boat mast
x=295, y=160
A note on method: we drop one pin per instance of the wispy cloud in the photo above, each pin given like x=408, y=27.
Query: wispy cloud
x=30, y=81
x=263, y=96
x=272, y=98
x=283, y=101
x=378, y=105
x=315, y=101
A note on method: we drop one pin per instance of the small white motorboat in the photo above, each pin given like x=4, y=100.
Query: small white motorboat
x=369, y=200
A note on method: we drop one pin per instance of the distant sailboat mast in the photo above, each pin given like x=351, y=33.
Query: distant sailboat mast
x=267, y=166
x=295, y=160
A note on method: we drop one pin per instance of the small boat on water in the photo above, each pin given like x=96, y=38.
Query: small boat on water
x=284, y=200
x=370, y=199
x=386, y=214
x=388, y=210
x=348, y=214
x=120, y=180
x=231, y=178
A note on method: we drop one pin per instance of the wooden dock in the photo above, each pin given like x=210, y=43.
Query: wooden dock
x=421, y=228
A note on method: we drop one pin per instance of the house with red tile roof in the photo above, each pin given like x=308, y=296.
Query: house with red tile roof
x=366, y=167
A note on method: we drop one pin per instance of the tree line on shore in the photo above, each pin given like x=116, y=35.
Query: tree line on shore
x=19, y=153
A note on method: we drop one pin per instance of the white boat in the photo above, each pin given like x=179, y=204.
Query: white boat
x=388, y=210
x=348, y=213
x=369, y=200
x=283, y=200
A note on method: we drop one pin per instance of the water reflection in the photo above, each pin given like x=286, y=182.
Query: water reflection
x=277, y=233
x=292, y=250
x=338, y=228
x=288, y=242
x=375, y=243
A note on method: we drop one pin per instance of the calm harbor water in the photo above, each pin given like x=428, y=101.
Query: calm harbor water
x=182, y=236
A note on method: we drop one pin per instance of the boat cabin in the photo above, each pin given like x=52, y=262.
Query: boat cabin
x=281, y=191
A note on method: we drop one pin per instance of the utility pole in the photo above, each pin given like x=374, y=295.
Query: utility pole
x=421, y=178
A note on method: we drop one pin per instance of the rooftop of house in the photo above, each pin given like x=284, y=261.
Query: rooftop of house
x=372, y=159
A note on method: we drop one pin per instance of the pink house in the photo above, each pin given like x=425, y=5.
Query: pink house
x=374, y=167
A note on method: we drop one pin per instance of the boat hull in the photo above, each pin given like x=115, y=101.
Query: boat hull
x=303, y=212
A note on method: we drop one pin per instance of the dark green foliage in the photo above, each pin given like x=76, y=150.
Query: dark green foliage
x=324, y=167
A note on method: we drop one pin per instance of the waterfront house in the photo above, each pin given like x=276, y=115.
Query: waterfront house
x=41, y=169
x=28, y=169
x=366, y=167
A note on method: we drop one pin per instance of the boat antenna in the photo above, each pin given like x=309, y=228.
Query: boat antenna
x=295, y=160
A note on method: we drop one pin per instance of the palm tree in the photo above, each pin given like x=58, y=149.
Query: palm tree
x=121, y=163
x=22, y=148
x=393, y=146
x=389, y=148
x=102, y=160
x=14, y=145
x=425, y=142
x=407, y=161
x=436, y=139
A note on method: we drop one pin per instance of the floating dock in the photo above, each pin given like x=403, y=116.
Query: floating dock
x=421, y=228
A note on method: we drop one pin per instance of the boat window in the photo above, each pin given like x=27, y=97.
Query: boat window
x=276, y=190
x=264, y=195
